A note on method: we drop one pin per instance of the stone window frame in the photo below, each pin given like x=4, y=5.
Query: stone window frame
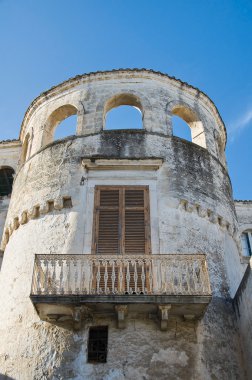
x=117, y=178
x=246, y=243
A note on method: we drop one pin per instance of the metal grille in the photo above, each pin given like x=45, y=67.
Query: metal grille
x=97, y=344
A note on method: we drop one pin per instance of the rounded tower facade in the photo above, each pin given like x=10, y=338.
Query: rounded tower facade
x=120, y=249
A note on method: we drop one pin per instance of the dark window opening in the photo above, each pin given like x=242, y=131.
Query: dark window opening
x=6, y=180
x=98, y=344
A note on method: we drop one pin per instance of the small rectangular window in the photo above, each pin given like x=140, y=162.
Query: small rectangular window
x=98, y=344
x=246, y=246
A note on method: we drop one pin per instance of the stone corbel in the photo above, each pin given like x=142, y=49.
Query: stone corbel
x=163, y=311
x=44, y=208
x=189, y=317
x=24, y=217
x=33, y=212
x=16, y=223
x=77, y=318
x=58, y=203
x=121, y=311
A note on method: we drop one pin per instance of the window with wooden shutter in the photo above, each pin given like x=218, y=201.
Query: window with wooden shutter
x=121, y=220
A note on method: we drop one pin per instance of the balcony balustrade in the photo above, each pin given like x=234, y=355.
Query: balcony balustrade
x=69, y=285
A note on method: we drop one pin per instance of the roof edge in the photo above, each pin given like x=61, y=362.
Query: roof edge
x=246, y=201
x=10, y=141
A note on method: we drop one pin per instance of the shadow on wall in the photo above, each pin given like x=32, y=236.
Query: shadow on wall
x=5, y=377
x=1, y=260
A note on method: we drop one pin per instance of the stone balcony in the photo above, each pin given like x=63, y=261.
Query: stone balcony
x=79, y=287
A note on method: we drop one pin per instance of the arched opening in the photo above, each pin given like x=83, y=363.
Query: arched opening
x=188, y=118
x=181, y=128
x=6, y=180
x=65, y=128
x=60, y=124
x=124, y=117
x=25, y=147
x=123, y=111
x=246, y=241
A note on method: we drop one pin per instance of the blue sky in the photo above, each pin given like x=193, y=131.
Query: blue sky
x=206, y=43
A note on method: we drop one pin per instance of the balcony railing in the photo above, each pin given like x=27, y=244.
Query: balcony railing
x=173, y=274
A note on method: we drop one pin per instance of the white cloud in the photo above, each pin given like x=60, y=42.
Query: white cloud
x=240, y=124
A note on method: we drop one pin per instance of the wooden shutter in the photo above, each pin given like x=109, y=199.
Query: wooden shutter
x=121, y=220
x=107, y=222
x=134, y=222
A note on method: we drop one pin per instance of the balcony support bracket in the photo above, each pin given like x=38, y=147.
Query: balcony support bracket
x=163, y=311
x=77, y=318
x=121, y=311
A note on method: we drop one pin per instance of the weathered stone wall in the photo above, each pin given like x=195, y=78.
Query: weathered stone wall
x=243, y=308
x=9, y=156
x=191, y=210
x=141, y=351
x=93, y=95
x=183, y=182
x=243, y=300
x=244, y=214
x=9, y=153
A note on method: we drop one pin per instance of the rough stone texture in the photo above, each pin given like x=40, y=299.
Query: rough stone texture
x=244, y=214
x=191, y=208
x=9, y=156
x=243, y=299
x=10, y=152
x=243, y=308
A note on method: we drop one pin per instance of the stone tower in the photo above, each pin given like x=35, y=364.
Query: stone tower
x=122, y=255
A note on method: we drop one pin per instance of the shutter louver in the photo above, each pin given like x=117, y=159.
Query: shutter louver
x=134, y=222
x=108, y=221
x=134, y=232
x=108, y=233
x=121, y=223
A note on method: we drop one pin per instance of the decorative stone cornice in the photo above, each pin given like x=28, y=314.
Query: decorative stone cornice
x=207, y=214
x=34, y=212
x=122, y=164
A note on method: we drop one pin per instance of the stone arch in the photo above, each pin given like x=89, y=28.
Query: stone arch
x=192, y=118
x=6, y=180
x=124, y=97
x=220, y=144
x=25, y=148
x=56, y=117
